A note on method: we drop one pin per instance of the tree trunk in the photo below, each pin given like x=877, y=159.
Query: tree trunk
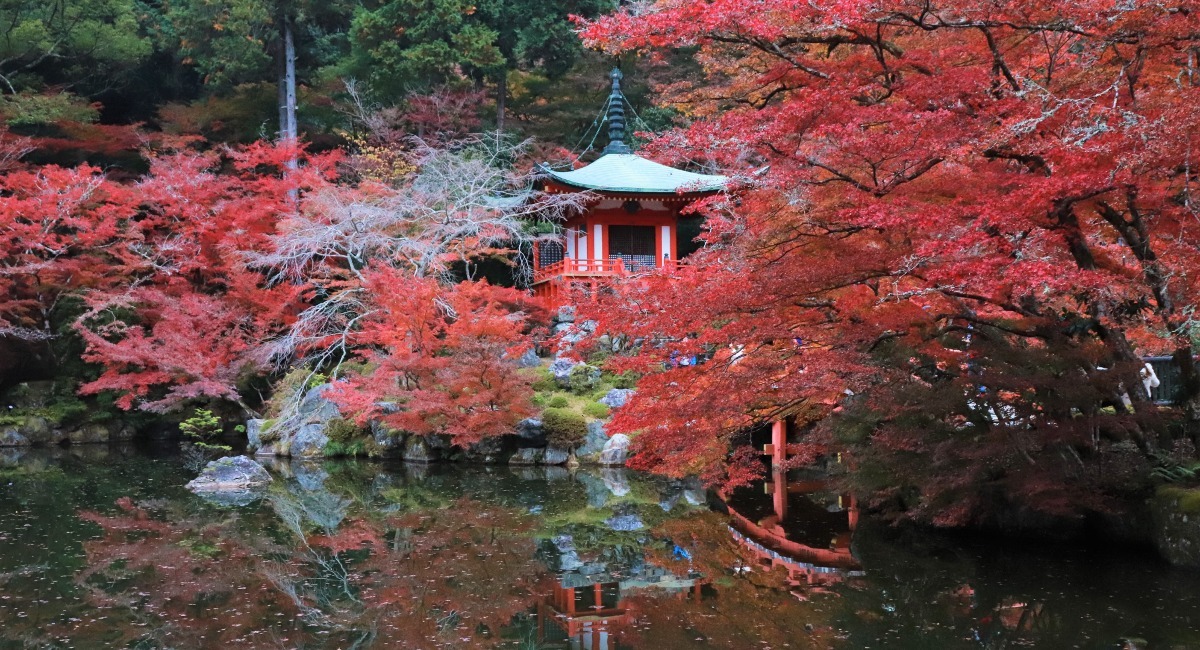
x=501, y=98
x=288, y=130
x=1189, y=381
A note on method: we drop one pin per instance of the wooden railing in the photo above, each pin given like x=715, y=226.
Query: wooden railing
x=600, y=268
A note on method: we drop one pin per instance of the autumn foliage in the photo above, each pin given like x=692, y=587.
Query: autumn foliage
x=978, y=210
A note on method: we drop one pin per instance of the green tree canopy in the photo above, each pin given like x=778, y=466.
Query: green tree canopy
x=69, y=41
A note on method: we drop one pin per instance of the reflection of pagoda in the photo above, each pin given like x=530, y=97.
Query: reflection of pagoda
x=809, y=540
x=589, y=612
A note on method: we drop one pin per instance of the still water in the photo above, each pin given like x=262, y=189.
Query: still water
x=105, y=549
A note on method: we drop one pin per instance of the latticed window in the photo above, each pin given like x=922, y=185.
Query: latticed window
x=550, y=252
x=633, y=244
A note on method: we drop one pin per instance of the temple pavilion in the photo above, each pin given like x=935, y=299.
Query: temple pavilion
x=631, y=225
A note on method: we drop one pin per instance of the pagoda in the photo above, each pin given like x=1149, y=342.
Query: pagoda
x=631, y=221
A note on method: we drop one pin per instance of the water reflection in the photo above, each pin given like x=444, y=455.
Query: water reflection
x=111, y=552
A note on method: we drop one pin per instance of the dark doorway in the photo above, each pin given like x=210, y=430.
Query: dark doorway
x=633, y=244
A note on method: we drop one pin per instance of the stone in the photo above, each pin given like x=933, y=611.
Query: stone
x=124, y=433
x=94, y=432
x=617, y=397
x=555, y=456
x=588, y=326
x=527, y=456
x=389, y=441
x=418, y=450
x=232, y=473
x=616, y=451
x=583, y=377
x=1176, y=533
x=566, y=314
x=309, y=441
x=11, y=437
x=626, y=522
x=604, y=342
x=315, y=407
x=563, y=328
x=530, y=433
x=491, y=450
x=529, y=360
x=573, y=336
x=561, y=371
x=254, y=428
x=593, y=443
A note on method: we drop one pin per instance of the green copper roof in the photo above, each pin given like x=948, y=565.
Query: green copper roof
x=623, y=172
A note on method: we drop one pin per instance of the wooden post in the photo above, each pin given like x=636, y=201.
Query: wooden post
x=778, y=443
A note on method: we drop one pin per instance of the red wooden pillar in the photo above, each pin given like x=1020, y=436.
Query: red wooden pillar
x=778, y=444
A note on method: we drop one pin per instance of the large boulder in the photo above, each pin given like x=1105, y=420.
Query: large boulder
x=39, y=430
x=91, y=433
x=388, y=441
x=616, y=451
x=254, y=428
x=309, y=441
x=617, y=397
x=530, y=433
x=583, y=378
x=493, y=449
x=555, y=456
x=317, y=407
x=529, y=360
x=1176, y=515
x=528, y=456
x=230, y=474
x=11, y=436
x=417, y=449
x=561, y=371
x=593, y=443
x=565, y=314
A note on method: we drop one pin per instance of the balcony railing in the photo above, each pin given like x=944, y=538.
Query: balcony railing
x=617, y=267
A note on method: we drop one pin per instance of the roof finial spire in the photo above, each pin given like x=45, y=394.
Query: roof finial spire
x=616, y=116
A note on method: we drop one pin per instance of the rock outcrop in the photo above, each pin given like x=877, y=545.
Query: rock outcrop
x=1176, y=516
x=616, y=451
x=231, y=474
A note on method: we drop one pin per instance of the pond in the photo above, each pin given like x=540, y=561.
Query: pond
x=103, y=548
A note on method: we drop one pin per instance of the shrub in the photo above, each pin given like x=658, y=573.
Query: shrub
x=595, y=410
x=342, y=430
x=542, y=380
x=627, y=379
x=558, y=402
x=564, y=428
x=334, y=448
x=203, y=429
x=584, y=378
